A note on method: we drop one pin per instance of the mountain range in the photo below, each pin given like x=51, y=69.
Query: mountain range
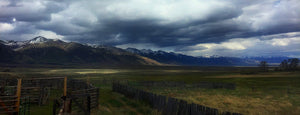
x=180, y=59
x=43, y=51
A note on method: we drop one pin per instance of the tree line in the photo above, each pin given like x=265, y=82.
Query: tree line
x=285, y=65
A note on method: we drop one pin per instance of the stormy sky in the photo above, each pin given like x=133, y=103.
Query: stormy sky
x=195, y=27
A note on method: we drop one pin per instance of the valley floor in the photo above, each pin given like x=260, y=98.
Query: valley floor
x=260, y=93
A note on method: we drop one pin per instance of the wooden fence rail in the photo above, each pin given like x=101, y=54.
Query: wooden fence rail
x=8, y=104
x=167, y=105
x=177, y=84
x=207, y=85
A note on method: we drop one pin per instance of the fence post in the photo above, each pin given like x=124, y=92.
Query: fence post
x=65, y=86
x=54, y=107
x=89, y=104
x=97, y=97
x=18, y=95
x=67, y=107
x=2, y=87
x=67, y=102
x=88, y=82
x=28, y=105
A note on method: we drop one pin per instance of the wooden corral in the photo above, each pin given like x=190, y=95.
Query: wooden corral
x=10, y=98
x=37, y=91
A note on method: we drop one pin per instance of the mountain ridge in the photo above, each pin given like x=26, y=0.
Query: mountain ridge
x=41, y=50
x=181, y=59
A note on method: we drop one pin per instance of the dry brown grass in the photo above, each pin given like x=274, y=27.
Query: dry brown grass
x=257, y=103
x=245, y=105
x=281, y=74
x=149, y=61
x=273, y=93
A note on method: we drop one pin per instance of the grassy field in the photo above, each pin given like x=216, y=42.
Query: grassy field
x=256, y=93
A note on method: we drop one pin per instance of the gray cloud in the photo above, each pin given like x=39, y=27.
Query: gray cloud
x=178, y=24
x=29, y=10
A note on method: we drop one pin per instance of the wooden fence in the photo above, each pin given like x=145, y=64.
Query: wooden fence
x=206, y=85
x=93, y=93
x=8, y=104
x=80, y=98
x=11, y=102
x=167, y=105
x=38, y=90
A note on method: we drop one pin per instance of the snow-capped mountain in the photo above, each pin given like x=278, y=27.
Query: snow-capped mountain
x=41, y=51
x=136, y=51
x=20, y=44
x=180, y=59
x=146, y=51
x=167, y=57
x=2, y=42
x=15, y=44
x=38, y=39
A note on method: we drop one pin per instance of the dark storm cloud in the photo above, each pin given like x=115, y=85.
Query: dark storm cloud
x=13, y=3
x=220, y=25
x=29, y=11
x=180, y=24
x=151, y=31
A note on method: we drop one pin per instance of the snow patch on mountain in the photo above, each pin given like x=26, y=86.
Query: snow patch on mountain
x=38, y=39
x=146, y=51
x=19, y=44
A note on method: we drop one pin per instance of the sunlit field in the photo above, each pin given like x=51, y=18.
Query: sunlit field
x=263, y=93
